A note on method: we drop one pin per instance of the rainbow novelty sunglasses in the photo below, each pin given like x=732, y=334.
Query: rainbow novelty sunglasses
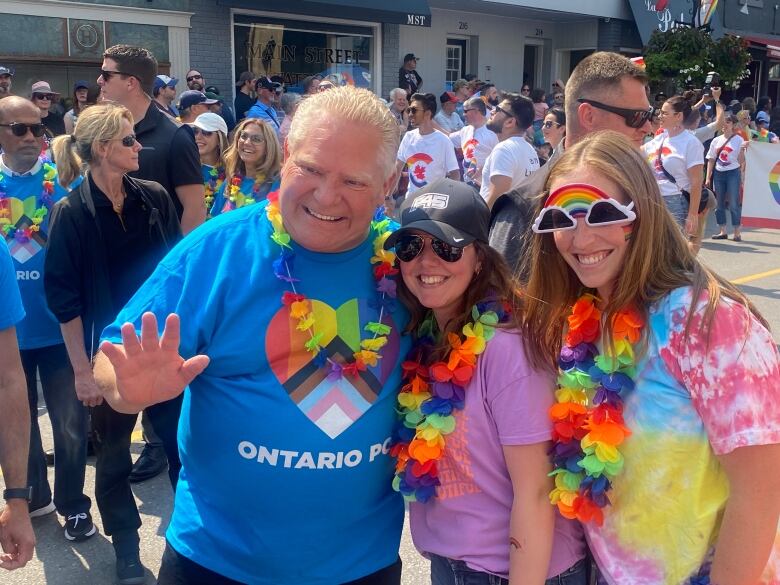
x=566, y=204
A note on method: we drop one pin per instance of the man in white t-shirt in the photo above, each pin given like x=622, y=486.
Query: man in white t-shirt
x=425, y=153
x=514, y=159
x=475, y=140
x=447, y=119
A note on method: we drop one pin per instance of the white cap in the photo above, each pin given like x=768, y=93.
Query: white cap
x=210, y=122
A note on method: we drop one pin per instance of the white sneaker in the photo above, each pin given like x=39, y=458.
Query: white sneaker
x=47, y=509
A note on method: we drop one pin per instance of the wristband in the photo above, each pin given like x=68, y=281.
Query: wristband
x=18, y=494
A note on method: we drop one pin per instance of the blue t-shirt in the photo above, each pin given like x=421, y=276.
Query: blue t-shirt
x=222, y=203
x=20, y=197
x=267, y=114
x=11, y=309
x=285, y=475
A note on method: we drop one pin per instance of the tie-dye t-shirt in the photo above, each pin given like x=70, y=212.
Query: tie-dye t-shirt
x=692, y=403
x=286, y=477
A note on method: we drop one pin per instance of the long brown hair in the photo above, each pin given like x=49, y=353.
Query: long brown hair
x=657, y=261
x=494, y=281
x=270, y=166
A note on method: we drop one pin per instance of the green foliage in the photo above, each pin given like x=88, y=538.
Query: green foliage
x=687, y=54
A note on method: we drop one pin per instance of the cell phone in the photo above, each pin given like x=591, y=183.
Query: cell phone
x=712, y=80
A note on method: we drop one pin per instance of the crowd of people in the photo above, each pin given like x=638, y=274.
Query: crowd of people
x=486, y=305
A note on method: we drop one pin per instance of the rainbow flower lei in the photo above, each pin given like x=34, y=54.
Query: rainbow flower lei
x=588, y=424
x=23, y=235
x=210, y=187
x=300, y=307
x=431, y=395
x=237, y=198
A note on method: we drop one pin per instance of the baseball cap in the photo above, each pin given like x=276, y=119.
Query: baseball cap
x=762, y=117
x=80, y=84
x=244, y=77
x=410, y=57
x=42, y=87
x=450, y=211
x=6, y=70
x=211, y=122
x=265, y=83
x=192, y=97
x=214, y=96
x=164, y=81
x=448, y=96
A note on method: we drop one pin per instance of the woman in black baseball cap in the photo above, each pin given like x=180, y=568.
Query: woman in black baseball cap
x=474, y=433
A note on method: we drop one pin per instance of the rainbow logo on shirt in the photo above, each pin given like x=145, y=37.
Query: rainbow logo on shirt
x=575, y=198
x=774, y=182
x=418, y=166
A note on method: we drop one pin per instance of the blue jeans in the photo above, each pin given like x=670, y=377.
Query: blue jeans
x=678, y=206
x=69, y=426
x=726, y=187
x=446, y=571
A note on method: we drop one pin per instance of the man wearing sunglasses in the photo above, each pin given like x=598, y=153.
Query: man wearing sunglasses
x=24, y=200
x=264, y=109
x=195, y=80
x=475, y=140
x=43, y=97
x=606, y=91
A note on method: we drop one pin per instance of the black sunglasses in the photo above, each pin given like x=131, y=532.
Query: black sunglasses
x=106, y=75
x=526, y=89
x=19, y=129
x=412, y=109
x=550, y=124
x=43, y=96
x=194, y=77
x=409, y=246
x=206, y=133
x=127, y=141
x=633, y=118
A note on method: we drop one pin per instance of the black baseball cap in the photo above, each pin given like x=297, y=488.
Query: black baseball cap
x=265, y=83
x=410, y=57
x=450, y=211
x=6, y=70
x=192, y=97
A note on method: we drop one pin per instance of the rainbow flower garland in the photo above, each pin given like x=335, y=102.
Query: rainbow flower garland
x=237, y=198
x=301, y=309
x=23, y=235
x=431, y=395
x=210, y=187
x=588, y=424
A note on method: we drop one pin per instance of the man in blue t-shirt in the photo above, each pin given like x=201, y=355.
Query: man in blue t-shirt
x=264, y=107
x=289, y=345
x=28, y=190
x=15, y=528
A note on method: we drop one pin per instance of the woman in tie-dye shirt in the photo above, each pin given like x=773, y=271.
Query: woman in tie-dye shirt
x=698, y=498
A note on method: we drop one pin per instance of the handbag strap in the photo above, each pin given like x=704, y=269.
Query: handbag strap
x=661, y=163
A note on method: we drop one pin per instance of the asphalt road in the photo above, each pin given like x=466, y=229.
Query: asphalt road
x=754, y=262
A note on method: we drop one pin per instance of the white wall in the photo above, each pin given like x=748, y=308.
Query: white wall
x=501, y=45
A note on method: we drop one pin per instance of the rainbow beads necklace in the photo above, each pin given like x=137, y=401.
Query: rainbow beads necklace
x=588, y=424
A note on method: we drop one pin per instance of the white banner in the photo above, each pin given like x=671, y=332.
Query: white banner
x=761, y=197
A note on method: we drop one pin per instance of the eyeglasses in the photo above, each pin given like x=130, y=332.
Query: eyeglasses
x=549, y=124
x=106, y=75
x=558, y=97
x=43, y=96
x=128, y=140
x=466, y=111
x=253, y=138
x=206, y=133
x=526, y=89
x=634, y=118
x=194, y=77
x=19, y=129
x=412, y=110
x=409, y=246
x=600, y=213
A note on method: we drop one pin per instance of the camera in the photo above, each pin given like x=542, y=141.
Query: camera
x=712, y=80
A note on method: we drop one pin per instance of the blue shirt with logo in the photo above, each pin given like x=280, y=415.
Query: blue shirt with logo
x=21, y=196
x=11, y=309
x=286, y=477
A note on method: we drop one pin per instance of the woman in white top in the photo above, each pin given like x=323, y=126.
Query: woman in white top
x=677, y=159
x=724, y=160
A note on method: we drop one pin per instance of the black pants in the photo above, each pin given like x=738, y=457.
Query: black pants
x=112, y=432
x=177, y=569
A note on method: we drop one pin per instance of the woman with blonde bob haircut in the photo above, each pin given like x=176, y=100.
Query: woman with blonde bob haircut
x=252, y=164
x=668, y=412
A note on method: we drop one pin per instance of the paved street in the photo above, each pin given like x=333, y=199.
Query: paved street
x=754, y=263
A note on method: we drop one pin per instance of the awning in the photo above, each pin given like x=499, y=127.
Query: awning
x=406, y=12
x=772, y=45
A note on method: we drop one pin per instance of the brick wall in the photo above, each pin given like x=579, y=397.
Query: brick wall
x=210, y=51
x=390, y=58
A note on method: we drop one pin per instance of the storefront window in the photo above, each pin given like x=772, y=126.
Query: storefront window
x=295, y=49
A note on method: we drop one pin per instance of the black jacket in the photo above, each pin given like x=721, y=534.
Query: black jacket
x=76, y=271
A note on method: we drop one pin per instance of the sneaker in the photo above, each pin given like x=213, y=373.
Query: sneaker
x=130, y=571
x=79, y=527
x=151, y=463
x=43, y=510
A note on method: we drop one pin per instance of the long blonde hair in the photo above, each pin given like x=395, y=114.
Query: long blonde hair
x=658, y=258
x=73, y=152
x=270, y=166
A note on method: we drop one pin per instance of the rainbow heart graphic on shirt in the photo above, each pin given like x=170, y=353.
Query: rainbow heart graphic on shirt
x=418, y=166
x=774, y=182
x=17, y=213
x=332, y=402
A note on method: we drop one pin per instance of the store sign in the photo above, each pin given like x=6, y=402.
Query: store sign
x=666, y=15
x=417, y=20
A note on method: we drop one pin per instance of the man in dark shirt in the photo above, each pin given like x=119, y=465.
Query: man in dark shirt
x=244, y=99
x=43, y=97
x=408, y=78
x=170, y=155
